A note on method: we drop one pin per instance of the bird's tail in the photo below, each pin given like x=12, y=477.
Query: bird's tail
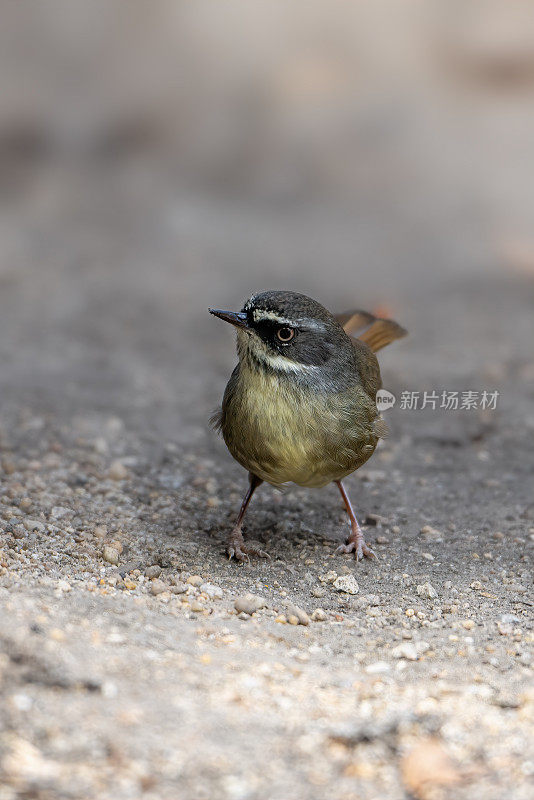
x=374, y=331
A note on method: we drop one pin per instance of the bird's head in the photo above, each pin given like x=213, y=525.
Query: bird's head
x=286, y=332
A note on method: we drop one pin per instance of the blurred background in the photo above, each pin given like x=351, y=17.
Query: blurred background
x=161, y=157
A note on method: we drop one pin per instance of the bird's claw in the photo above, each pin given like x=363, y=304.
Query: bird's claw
x=241, y=552
x=237, y=553
x=360, y=549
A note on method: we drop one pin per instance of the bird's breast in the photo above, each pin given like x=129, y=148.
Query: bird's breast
x=283, y=431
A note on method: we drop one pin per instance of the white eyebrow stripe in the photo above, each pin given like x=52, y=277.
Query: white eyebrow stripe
x=260, y=315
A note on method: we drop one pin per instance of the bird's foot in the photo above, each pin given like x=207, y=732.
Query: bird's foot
x=237, y=548
x=356, y=544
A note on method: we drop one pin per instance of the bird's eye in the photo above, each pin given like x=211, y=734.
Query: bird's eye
x=285, y=334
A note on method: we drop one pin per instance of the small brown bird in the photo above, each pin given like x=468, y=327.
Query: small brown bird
x=300, y=406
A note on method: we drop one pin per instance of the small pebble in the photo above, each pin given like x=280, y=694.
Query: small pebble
x=505, y=628
x=377, y=668
x=506, y=700
x=300, y=615
x=431, y=533
x=154, y=571
x=249, y=603
x=195, y=580
x=346, y=583
x=330, y=576
x=426, y=590
x=372, y=599
x=405, y=650
x=179, y=588
x=319, y=615
x=211, y=590
x=510, y=618
x=110, y=555
x=33, y=525
x=58, y=512
x=117, y=471
x=157, y=587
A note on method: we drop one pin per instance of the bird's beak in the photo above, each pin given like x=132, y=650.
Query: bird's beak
x=237, y=318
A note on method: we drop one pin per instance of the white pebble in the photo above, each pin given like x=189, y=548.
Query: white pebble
x=377, y=668
x=426, y=590
x=405, y=650
x=346, y=583
x=117, y=471
x=110, y=554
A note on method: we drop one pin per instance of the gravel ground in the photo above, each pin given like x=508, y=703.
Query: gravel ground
x=135, y=659
x=132, y=661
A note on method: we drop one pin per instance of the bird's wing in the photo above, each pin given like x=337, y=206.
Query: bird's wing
x=216, y=419
x=374, y=331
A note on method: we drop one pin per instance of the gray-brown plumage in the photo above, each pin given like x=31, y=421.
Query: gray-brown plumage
x=300, y=405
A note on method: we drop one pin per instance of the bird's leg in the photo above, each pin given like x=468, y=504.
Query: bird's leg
x=356, y=541
x=236, y=544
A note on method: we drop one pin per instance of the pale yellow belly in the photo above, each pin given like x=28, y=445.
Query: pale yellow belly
x=286, y=435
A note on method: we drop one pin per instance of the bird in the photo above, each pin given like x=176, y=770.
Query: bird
x=300, y=405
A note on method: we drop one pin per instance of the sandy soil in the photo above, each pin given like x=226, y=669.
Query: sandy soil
x=140, y=678
x=129, y=666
